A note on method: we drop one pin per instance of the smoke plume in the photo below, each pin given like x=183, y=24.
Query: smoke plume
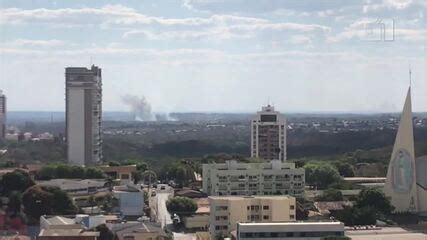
x=140, y=107
x=142, y=110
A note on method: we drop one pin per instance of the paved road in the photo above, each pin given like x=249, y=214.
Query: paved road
x=163, y=215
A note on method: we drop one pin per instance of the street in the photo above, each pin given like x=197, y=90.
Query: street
x=163, y=215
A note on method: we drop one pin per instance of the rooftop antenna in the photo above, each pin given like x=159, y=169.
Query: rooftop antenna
x=410, y=76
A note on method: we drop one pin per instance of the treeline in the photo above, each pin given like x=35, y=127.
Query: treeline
x=352, y=147
x=71, y=172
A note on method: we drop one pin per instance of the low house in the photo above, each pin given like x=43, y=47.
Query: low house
x=122, y=173
x=67, y=234
x=139, y=231
x=59, y=222
x=200, y=220
x=79, y=190
x=327, y=209
x=131, y=200
x=79, y=221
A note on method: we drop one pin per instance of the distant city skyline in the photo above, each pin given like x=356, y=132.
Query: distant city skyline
x=218, y=56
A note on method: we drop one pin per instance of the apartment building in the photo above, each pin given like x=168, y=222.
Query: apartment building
x=267, y=178
x=268, y=135
x=83, y=115
x=2, y=116
x=227, y=211
x=289, y=230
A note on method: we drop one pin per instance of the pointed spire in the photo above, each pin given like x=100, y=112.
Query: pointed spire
x=400, y=185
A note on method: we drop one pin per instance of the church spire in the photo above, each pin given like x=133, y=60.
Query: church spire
x=400, y=185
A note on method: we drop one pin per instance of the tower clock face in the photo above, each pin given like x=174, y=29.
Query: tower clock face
x=402, y=171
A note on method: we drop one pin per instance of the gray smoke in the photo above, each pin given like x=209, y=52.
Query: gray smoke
x=142, y=110
x=140, y=107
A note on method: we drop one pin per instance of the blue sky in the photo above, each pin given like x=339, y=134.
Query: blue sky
x=217, y=55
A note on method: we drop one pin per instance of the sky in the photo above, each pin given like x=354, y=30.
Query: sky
x=218, y=55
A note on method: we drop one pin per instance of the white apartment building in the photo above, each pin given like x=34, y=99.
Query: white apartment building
x=267, y=178
x=2, y=116
x=227, y=211
x=268, y=135
x=289, y=230
x=83, y=115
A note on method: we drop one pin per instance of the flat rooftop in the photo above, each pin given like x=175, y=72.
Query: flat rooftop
x=386, y=233
x=250, y=197
x=293, y=223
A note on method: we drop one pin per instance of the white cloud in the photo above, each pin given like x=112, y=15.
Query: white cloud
x=37, y=43
x=300, y=39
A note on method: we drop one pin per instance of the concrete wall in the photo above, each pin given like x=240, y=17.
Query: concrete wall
x=76, y=128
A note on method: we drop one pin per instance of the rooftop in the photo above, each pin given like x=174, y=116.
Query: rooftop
x=59, y=220
x=73, y=183
x=249, y=197
x=386, y=233
x=66, y=233
x=304, y=223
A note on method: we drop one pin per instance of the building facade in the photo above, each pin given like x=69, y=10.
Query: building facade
x=131, y=200
x=268, y=135
x=78, y=190
x=267, y=178
x=83, y=115
x=289, y=230
x=3, y=128
x=227, y=211
x=406, y=183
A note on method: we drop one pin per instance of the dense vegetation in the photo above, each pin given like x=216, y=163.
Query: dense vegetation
x=42, y=200
x=53, y=171
x=363, y=153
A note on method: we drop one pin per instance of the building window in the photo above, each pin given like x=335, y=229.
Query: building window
x=221, y=218
x=292, y=207
x=221, y=227
x=125, y=176
x=292, y=216
x=265, y=217
x=265, y=207
x=221, y=208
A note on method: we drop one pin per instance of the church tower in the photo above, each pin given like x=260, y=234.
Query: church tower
x=401, y=184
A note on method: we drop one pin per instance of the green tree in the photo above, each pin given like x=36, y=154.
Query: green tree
x=47, y=173
x=41, y=200
x=93, y=173
x=113, y=163
x=17, y=180
x=62, y=203
x=321, y=175
x=181, y=206
x=330, y=195
x=375, y=199
x=345, y=169
x=178, y=172
x=15, y=202
x=357, y=216
x=37, y=202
